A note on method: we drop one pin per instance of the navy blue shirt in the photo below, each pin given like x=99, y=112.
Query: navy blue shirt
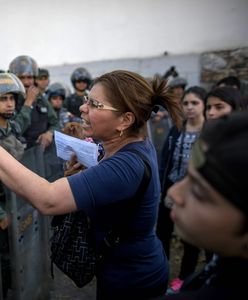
x=138, y=263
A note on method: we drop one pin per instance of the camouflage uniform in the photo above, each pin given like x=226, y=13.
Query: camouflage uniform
x=35, y=120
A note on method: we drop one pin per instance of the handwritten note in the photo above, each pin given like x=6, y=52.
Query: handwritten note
x=66, y=145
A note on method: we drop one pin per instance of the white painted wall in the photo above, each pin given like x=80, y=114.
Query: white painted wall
x=57, y=31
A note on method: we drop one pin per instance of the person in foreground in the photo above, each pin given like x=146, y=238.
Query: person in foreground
x=210, y=210
x=116, y=113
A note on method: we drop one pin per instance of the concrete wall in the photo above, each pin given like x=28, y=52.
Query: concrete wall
x=187, y=65
x=199, y=69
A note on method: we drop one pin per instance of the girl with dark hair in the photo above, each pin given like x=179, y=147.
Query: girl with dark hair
x=174, y=161
x=221, y=101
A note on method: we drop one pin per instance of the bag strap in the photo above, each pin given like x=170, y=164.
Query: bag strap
x=112, y=238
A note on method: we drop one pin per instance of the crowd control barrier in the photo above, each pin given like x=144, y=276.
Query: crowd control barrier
x=28, y=234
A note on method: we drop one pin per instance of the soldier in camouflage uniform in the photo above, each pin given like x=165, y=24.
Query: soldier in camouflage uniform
x=10, y=139
x=35, y=114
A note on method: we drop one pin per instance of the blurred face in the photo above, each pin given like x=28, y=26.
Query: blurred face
x=42, y=82
x=99, y=123
x=81, y=85
x=205, y=218
x=27, y=80
x=7, y=105
x=57, y=102
x=193, y=106
x=216, y=108
x=178, y=92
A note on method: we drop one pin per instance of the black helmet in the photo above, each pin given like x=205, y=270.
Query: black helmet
x=10, y=83
x=56, y=89
x=43, y=72
x=23, y=65
x=81, y=74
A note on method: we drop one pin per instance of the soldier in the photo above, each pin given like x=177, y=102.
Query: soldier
x=10, y=131
x=177, y=86
x=81, y=81
x=56, y=95
x=10, y=135
x=35, y=115
x=42, y=80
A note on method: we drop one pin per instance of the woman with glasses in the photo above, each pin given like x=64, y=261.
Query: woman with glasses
x=115, y=112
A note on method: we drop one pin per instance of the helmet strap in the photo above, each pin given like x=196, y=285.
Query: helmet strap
x=6, y=116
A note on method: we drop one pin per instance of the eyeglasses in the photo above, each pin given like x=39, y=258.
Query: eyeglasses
x=96, y=104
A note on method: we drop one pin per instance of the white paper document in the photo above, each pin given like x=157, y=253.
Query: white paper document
x=66, y=145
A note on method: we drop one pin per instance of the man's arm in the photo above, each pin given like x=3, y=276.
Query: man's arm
x=23, y=117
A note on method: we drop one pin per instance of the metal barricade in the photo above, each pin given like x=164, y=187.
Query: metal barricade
x=29, y=235
x=53, y=164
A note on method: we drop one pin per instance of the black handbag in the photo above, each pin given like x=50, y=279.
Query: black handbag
x=73, y=243
x=73, y=248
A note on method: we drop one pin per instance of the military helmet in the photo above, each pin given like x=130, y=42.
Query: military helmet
x=56, y=89
x=23, y=65
x=81, y=74
x=10, y=83
x=42, y=72
x=178, y=82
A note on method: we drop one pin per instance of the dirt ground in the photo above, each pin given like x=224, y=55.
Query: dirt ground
x=64, y=289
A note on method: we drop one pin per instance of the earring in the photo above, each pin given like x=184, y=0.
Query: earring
x=121, y=133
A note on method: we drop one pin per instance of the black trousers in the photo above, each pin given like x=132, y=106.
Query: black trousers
x=189, y=260
x=165, y=227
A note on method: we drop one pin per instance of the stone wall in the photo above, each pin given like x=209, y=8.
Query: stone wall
x=218, y=64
